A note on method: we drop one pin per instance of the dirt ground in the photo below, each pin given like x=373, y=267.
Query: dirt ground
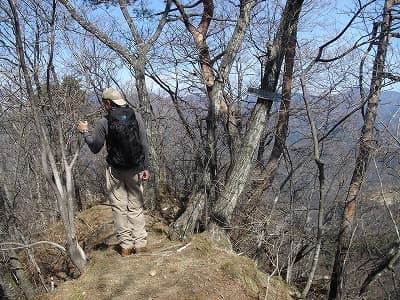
x=170, y=270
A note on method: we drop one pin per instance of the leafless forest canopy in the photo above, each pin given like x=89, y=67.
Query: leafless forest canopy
x=304, y=181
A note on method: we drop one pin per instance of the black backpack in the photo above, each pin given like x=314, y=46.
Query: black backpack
x=125, y=150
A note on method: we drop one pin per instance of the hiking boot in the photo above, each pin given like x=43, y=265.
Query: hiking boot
x=126, y=251
x=140, y=250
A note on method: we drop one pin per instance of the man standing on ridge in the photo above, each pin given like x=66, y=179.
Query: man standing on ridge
x=123, y=131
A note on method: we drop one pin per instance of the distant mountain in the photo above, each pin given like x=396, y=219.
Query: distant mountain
x=388, y=114
x=389, y=107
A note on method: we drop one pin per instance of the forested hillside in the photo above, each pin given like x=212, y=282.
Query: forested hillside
x=273, y=129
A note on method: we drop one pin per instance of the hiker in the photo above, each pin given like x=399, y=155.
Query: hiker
x=123, y=131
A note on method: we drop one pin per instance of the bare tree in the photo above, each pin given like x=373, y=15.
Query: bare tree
x=322, y=187
x=215, y=81
x=60, y=179
x=363, y=156
x=226, y=203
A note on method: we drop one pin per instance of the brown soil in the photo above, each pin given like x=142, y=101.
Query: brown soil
x=170, y=270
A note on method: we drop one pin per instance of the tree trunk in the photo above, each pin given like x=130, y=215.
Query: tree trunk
x=214, y=90
x=7, y=288
x=145, y=104
x=184, y=227
x=366, y=144
x=226, y=203
x=23, y=280
x=75, y=251
x=268, y=171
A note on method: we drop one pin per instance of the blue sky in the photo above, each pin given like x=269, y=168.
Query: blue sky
x=322, y=24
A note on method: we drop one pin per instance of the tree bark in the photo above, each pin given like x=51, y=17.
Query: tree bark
x=7, y=288
x=23, y=280
x=145, y=103
x=184, y=227
x=362, y=159
x=199, y=35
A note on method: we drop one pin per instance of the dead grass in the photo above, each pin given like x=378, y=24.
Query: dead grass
x=171, y=270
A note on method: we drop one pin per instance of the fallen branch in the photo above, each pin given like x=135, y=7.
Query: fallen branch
x=24, y=246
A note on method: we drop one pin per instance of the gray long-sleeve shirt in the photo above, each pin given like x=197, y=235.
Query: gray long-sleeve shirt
x=96, y=139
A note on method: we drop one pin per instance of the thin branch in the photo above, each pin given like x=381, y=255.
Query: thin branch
x=391, y=258
x=123, y=51
x=360, y=106
x=174, y=98
x=391, y=76
x=229, y=53
x=24, y=246
x=185, y=17
x=392, y=218
x=321, y=172
x=129, y=21
x=355, y=46
x=160, y=26
x=321, y=49
x=391, y=134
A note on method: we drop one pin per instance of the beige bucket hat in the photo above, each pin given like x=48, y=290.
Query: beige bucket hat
x=114, y=96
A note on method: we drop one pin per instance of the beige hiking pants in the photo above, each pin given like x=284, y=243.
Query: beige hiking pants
x=126, y=198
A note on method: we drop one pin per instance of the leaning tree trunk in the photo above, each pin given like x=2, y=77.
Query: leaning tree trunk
x=366, y=145
x=322, y=192
x=268, y=172
x=184, y=227
x=226, y=203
